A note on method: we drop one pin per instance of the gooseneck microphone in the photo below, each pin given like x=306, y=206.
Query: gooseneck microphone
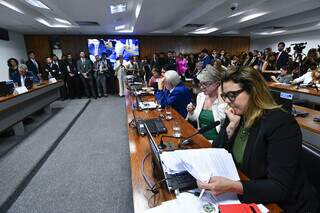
x=200, y=131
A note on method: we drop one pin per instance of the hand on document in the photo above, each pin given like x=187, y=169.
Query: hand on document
x=218, y=185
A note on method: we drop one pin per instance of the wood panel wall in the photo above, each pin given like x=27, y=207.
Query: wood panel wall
x=148, y=44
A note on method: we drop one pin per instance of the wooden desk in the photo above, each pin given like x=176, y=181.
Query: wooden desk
x=14, y=108
x=139, y=147
x=310, y=94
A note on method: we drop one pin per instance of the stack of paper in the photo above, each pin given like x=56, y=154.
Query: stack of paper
x=188, y=203
x=147, y=105
x=201, y=163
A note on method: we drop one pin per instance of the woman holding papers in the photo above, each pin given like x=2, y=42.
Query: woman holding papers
x=210, y=107
x=266, y=144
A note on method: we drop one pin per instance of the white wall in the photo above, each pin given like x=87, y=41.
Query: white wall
x=312, y=38
x=14, y=48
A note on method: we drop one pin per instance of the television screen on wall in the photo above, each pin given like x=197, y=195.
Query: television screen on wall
x=113, y=47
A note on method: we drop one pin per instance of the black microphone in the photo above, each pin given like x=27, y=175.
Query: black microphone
x=162, y=145
x=201, y=131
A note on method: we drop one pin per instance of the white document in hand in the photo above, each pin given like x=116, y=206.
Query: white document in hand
x=201, y=163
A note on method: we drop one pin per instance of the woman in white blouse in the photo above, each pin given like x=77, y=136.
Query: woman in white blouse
x=209, y=105
x=310, y=76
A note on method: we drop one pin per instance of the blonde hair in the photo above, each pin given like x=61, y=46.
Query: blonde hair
x=254, y=84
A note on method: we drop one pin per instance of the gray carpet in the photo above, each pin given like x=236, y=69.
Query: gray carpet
x=16, y=165
x=89, y=171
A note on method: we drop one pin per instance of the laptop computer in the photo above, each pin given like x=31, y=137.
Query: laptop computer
x=155, y=125
x=181, y=181
x=284, y=99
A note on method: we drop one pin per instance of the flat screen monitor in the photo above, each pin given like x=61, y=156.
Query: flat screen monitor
x=113, y=48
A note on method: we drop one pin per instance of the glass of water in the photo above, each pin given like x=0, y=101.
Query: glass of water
x=176, y=130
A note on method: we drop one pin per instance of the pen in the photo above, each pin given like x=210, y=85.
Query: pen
x=201, y=193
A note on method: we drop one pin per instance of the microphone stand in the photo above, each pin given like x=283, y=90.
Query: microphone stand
x=168, y=146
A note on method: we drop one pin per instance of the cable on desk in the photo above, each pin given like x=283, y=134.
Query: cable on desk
x=148, y=182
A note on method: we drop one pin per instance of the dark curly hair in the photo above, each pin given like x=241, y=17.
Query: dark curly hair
x=9, y=60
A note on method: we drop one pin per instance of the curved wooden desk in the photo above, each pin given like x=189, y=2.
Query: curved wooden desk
x=139, y=147
x=14, y=108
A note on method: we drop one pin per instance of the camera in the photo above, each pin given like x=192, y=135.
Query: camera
x=234, y=6
x=298, y=47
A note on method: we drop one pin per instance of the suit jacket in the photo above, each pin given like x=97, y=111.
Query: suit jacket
x=33, y=68
x=282, y=60
x=179, y=98
x=84, y=68
x=72, y=67
x=272, y=162
x=51, y=69
x=62, y=68
x=16, y=78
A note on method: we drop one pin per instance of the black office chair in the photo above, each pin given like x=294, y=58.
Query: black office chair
x=311, y=164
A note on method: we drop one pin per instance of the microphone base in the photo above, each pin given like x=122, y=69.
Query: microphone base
x=186, y=142
x=166, y=146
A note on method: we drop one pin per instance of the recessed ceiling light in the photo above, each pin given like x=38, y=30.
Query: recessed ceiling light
x=45, y=22
x=120, y=27
x=130, y=30
x=232, y=32
x=62, y=21
x=138, y=8
x=12, y=7
x=119, y=8
x=238, y=13
x=37, y=3
x=205, y=30
x=252, y=16
x=272, y=32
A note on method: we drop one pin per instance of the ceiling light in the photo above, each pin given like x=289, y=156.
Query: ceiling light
x=238, y=13
x=252, y=16
x=205, y=30
x=44, y=22
x=232, y=32
x=138, y=8
x=119, y=8
x=37, y=3
x=130, y=30
x=272, y=32
x=12, y=7
x=120, y=27
x=62, y=21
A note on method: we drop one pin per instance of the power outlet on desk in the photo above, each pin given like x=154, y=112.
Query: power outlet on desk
x=168, y=146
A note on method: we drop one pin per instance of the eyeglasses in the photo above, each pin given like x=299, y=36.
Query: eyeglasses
x=231, y=95
x=204, y=84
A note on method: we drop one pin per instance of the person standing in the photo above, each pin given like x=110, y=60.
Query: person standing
x=33, y=65
x=84, y=67
x=99, y=72
x=282, y=57
x=50, y=70
x=120, y=73
x=109, y=72
x=72, y=77
x=181, y=64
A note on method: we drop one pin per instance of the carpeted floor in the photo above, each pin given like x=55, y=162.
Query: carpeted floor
x=89, y=171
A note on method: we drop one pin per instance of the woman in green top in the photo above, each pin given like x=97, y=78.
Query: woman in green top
x=209, y=107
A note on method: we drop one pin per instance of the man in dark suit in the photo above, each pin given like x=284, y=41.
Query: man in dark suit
x=282, y=57
x=20, y=77
x=61, y=75
x=72, y=77
x=109, y=72
x=174, y=94
x=50, y=70
x=84, y=67
x=33, y=65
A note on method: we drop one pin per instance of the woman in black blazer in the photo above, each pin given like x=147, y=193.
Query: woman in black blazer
x=266, y=144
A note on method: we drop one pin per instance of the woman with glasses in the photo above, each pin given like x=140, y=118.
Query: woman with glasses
x=209, y=107
x=266, y=144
